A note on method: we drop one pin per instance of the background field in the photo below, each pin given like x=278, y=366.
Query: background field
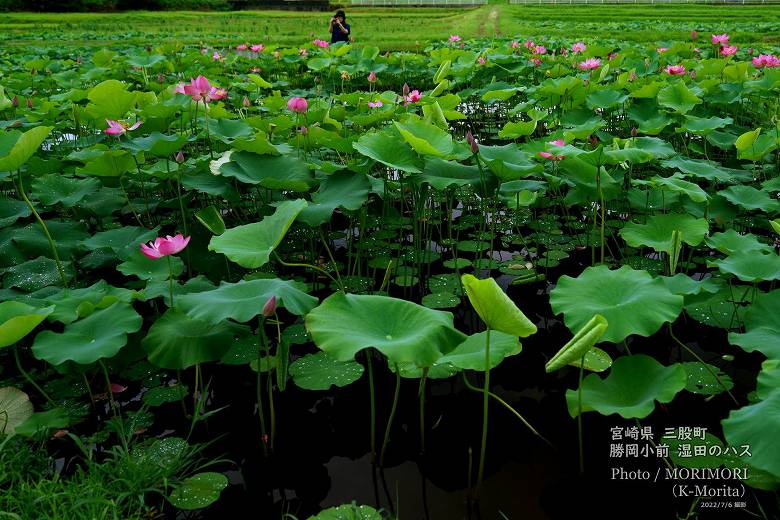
x=397, y=28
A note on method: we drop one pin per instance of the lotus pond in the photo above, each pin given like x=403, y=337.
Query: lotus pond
x=493, y=278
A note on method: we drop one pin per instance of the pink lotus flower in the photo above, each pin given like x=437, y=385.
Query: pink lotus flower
x=298, y=105
x=413, y=97
x=529, y=44
x=320, y=43
x=372, y=77
x=536, y=61
x=481, y=60
x=515, y=44
x=728, y=50
x=200, y=89
x=164, y=246
x=539, y=49
x=766, y=60
x=375, y=104
x=257, y=48
x=720, y=39
x=179, y=88
x=612, y=55
x=590, y=64
x=117, y=388
x=557, y=142
x=661, y=49
x=578, y=47
x=216, y=56
x=303, y=52
x=242, y=47
x=454, y=38
x=694, y=35
x=675, y=70
x=551, y=157
x=119, y=128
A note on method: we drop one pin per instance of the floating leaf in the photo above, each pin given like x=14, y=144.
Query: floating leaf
x=320, y=371
x=199, y=491
x=631, y=388
x=702, y=381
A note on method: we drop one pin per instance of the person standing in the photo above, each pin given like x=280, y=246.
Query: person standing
x=339, y=28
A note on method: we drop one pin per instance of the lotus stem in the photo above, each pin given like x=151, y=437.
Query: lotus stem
x=30, y=379
x=508, y=407
x=392, y=415
x=108, y=387
x=310, y=266
x=260, y=413
x=372, y=399
x=579, y=416
x=170, y=279
x=52, y=245
x=485, y=409
x=332, y=260
x=422, y=409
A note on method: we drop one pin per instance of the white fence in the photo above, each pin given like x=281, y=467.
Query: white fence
x=719, y=2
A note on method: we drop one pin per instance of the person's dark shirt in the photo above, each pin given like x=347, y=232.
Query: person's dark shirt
x=338, y=36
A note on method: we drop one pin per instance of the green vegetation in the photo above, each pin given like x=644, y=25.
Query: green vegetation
x=399, y=28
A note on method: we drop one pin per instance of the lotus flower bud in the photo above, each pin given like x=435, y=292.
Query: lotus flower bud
x=246, y=102
x=179, y=157
x=161, y=78
x=29, y=103
x=694, y=35
x=405, y=90
x=472, y=142
x=634, y=132
x=304, y=130
x=371, y=77
x=15, y=102
x=270, y=307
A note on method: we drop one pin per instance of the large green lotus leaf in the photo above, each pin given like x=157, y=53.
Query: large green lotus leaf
x=12, y=210
x=708, y=170
x=36, y=274
x=631, y=388
x=508, y=162
x=211, y=219
x=750, y=266
x=750, y=198
x=55, y=188
x=649, y=119
x=730, y=242
x=722, y=308
x=756, y=426
x=606, y=98
x=109, y=100
x=389, y=150
x=350, y=512
x=227, y=130
x=425, y=138
x=123, y=241
x=275, y=172
x=72, y=304
x=495, y=308
x=762, y=326
x=102, y=334
x=657, y=232
x=768, y=379
x=678, y=97
x=578, y=346
x=23, y=148
x=158, y=144
x=244, y=300
x=67, y=235
x=198, y=491
x=251, y=245
x=678, y=184
x=18, y=319
x=137, y=264
x=631, y=301
x=44, y=421
x=344, y=324
x=441, y=174
x=471, y=353
x=177, y=341
x=703, y=125
x=341, y=189
x=517, y=129
x=685, y=285
x=319, y=371
x=145, y=60
x=110, y=163
x=15, y=408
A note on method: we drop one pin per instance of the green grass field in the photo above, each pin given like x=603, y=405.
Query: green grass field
x=397, y=28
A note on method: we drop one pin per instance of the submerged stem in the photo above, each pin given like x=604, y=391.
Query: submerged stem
x=392, y=415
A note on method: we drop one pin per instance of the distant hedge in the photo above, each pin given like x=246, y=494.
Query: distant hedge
x=121, y=5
